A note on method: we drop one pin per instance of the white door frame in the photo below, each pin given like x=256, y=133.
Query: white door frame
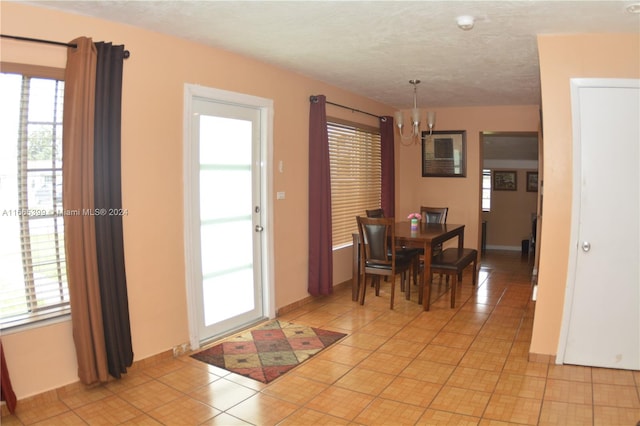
x=191, y=225
x=576, y=85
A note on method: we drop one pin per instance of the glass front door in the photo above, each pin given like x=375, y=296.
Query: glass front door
x=228, y=243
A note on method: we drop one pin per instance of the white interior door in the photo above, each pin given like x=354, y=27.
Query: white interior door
x=225, y=235
x=602, y=309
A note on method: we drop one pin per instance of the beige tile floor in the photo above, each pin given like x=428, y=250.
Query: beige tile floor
x=462, y=366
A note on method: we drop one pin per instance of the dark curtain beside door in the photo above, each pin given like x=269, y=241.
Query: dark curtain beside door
x=388, y=195
x=320, y=243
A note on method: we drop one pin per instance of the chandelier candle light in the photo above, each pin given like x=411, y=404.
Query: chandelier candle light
x=415, y=119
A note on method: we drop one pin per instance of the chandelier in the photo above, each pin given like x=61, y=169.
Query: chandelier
x=414, y=137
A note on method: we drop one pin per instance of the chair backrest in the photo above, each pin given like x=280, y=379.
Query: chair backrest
x=378, y=235
x=375, y=213
x=434, y=214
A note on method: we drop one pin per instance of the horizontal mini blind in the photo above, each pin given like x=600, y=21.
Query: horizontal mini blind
x=356, y=177
x=33, y=285
x=486, y=190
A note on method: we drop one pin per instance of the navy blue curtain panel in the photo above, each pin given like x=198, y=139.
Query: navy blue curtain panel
x=108, y=201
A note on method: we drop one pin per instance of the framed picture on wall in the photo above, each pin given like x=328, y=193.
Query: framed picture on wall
x=444, y=153
x=532, y=181
x=505, y=180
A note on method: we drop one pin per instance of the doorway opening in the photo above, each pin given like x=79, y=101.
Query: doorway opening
x=511, y=211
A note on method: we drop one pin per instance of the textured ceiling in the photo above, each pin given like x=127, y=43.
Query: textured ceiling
x=374, y=48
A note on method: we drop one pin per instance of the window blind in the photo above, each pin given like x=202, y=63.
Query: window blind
x=33, y=285
x=486, y=190
x=356, y=178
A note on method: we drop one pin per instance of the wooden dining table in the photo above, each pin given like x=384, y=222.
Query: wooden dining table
x=426, y=236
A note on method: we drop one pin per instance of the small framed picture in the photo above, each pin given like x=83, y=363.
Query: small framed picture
x=505, y=180
x=532, y=181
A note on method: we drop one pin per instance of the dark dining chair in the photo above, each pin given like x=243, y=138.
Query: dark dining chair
x=375, y=213
x=378, y=256
x=405, y=251
x=433, y=215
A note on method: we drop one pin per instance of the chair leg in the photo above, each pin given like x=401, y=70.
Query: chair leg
x=406, y=283
x=377, y=281
x=454, y=284
x=363, y=288
x=475, y=272
x=393, y=289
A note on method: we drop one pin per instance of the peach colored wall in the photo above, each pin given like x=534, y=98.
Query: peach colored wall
x=509, y=221
x=461, y=195
x=152, y=175
x=563, y=57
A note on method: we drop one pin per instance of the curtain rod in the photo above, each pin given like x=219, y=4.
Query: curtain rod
x=314, y=99
x=57, y=43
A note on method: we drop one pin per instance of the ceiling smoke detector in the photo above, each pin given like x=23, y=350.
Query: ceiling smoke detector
x=465, y=22
x=633, y=8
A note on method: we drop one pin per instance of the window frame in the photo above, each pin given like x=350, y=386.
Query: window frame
x=486, y=185
x=54, y=312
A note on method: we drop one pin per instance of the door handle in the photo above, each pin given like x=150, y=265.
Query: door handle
x=259, y=228
x=586, y=246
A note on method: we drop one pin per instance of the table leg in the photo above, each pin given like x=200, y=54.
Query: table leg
x=355, y=269
x=426, y=277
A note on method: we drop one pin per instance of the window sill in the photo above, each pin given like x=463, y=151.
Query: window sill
x=342, y=246
x=25, y=324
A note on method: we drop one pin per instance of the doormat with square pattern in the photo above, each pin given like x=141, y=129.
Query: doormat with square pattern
x=267, y=352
